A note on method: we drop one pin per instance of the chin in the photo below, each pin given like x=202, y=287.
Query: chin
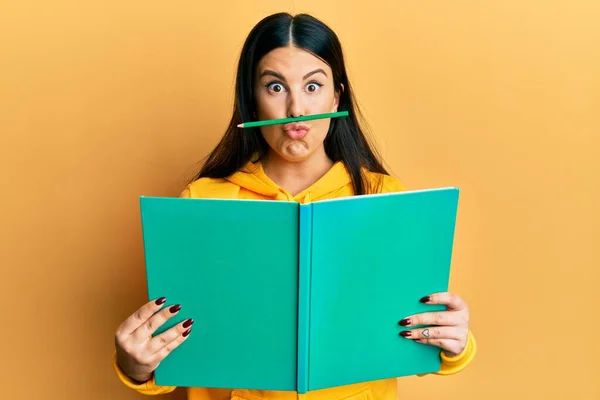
x=294, y=158
x=295, y=152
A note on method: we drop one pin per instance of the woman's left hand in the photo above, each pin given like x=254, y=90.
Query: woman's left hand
x=449, y=329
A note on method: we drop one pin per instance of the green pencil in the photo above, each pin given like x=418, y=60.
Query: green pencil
x=295, y=119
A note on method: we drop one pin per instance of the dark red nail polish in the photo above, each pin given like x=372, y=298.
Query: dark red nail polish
x=188, y=323
x=406, y=333
x=175, y=308
x=160, y=301
x=425, y=299
x=404, y=322
x=184, y=334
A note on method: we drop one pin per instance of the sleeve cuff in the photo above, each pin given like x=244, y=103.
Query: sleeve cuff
x=455, y=364
x=149, y=387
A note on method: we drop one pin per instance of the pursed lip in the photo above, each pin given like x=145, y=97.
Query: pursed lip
x=296, y=130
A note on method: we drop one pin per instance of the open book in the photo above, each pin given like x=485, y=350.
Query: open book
x=298, y=297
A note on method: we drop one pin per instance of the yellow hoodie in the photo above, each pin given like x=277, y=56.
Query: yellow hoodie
x=252, y=183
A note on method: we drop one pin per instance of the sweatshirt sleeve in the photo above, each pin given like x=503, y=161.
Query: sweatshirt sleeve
x=453, y=365
x=148, y=388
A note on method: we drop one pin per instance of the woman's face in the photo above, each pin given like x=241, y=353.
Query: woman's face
x=291, y=82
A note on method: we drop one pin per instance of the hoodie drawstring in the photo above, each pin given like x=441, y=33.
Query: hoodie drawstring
x=307, y=198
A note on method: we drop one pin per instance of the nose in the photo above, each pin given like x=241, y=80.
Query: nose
x=295, y=106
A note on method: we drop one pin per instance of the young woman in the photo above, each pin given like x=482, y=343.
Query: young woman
x=289, y=66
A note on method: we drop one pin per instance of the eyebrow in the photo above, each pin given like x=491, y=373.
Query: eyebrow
x=278, y=75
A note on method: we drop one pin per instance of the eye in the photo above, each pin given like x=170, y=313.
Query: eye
x=313, y=87
x=275, y=87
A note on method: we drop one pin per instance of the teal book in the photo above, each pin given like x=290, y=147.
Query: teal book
x=298, y=297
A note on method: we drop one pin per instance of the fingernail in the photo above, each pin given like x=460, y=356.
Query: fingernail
x=188, y=323
x=184, y=334
x=404, y=322
x=405, y=333
x=175, y=308
x=160, y=300
x=418, y=340
x=425, y=299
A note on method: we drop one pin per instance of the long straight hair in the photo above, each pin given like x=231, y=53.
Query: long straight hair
x=345, y=140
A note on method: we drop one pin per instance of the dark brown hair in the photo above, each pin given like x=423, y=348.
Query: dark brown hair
x=345, y=141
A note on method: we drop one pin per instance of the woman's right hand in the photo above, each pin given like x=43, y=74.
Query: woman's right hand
x=138, y=353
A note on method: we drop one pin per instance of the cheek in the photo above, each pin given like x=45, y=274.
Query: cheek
x=271, y=134
x=322, y=103
x=321, y=129
x=270, y=107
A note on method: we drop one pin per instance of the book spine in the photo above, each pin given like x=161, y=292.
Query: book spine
x=304, y=276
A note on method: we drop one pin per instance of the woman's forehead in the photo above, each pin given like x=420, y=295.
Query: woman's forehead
x=291, y=61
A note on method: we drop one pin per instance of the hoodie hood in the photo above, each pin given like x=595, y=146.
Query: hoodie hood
x=253, y=178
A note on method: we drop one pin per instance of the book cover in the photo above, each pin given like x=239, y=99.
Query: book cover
x=232, y=265
x=298, y=297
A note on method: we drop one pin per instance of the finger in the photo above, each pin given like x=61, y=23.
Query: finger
x=451, y=300
x=156, y=321
x=162, y=340
x=165, y=351
x=435, y=332
x=450, y=318
x=449, y=345
x=136, y=319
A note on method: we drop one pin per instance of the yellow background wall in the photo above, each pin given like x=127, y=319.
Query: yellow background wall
x=103, y=101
